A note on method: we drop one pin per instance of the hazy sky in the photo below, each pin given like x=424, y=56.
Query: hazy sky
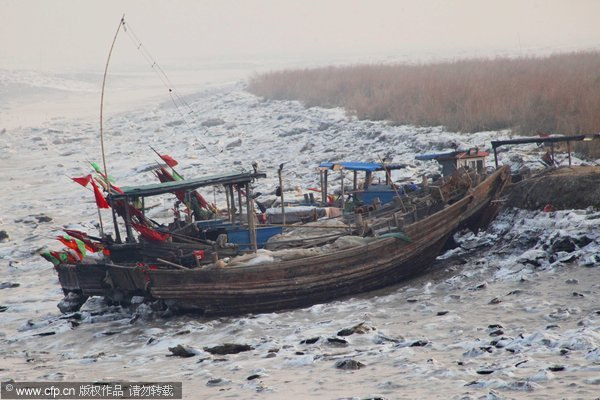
x=76, y=34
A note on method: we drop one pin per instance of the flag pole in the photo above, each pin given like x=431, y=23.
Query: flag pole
x=121, y=22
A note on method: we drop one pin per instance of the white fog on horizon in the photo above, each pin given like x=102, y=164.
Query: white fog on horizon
x=74, y=36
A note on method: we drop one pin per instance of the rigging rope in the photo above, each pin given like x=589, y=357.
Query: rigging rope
x=178, y=101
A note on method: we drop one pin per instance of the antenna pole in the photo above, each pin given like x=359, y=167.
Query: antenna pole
x=121, y=22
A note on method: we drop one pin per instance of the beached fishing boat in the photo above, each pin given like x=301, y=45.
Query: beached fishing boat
x=360, y=256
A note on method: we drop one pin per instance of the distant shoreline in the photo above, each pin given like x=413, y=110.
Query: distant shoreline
x=557, y=94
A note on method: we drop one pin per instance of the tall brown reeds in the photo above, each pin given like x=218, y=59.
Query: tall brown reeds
x=554, y=94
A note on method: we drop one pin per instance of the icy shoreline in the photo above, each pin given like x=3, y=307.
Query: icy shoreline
x=533, y=276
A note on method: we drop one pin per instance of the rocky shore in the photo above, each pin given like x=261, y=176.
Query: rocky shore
x=561, y=188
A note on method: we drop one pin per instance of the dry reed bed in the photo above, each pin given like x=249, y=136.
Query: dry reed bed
x=554, y=94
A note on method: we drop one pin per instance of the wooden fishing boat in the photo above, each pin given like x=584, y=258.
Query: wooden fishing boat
x=388, y=248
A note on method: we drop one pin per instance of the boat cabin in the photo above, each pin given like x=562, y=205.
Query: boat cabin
x=130, y=204
x=370, y=190
x=472, y=159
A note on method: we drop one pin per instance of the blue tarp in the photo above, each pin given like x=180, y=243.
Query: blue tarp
x=353, y=165
x=361, y=166
x=435, y=156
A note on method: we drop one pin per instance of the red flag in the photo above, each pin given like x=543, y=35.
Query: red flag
x=72, y=244
x=199, y=254
x=150, y=233
x=84, y=180
x=171, y=162
x=167, y=175
x=200, y=199
x=100, y=200
x=102, y=183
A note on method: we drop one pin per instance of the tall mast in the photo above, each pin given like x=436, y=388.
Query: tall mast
x=121, y=22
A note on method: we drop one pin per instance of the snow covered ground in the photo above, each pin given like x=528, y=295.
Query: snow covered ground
x=510, y=313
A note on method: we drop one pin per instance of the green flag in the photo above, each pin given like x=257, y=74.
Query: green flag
x=96, y=167
x=176, y=176
x=99, y=170
x=48, y=256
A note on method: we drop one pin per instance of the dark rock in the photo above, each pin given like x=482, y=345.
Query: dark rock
x=216, y=382
x=110, y=333
x=565, y=244
x=235, y=143
x=181, y=351
x=570, y=258
x=310, y=340
x=495, y=300
x=307, y=146
x=556, y=368
x=212, y=122
x=337, y=342
x=324, y=125
x=76, y=316
x=271, y=355
x=487, y=349
x=292, y=132
x=50, y=333
x=360, y=329
x=71, y=302
x=381, y=338
x=482, y=285
x=43, y=218
x=485, y=371
x=176, y=122
x=4, y=236
x=495, y=326
x=520, y=363
x=564, y=352
x=184, y=332
x=349, y=363
x=552, y=326
x=419, y=343
x=299, y=353
x=583, y=241
x=440, y=313
x=252, y=377
x=3, y=308
x=572, y=281
x=533, y=262
x=151, y=340
x=514, y=292
x=497, y=332
x=228, y=348
x=9, y=285
x=575, y=294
